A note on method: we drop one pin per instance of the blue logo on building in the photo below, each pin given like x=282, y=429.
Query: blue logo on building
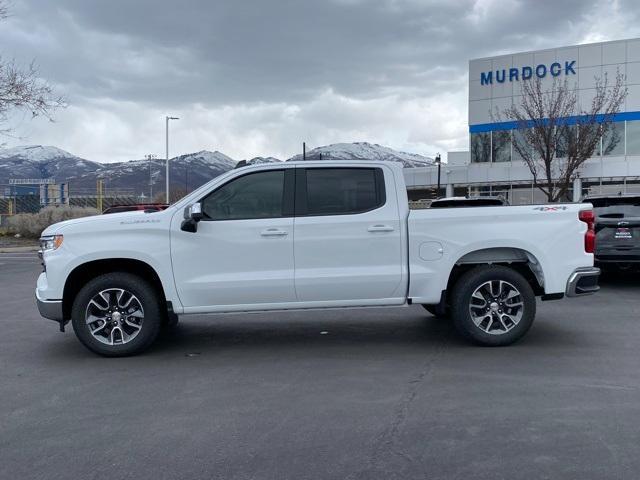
x=525, y=73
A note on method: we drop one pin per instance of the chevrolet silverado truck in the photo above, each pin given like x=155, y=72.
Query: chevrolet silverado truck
x=311, y=235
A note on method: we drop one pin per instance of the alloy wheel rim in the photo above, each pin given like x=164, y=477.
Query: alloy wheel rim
x=114, y=316
x=496, y=307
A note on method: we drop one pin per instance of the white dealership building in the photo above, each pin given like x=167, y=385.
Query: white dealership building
x=491, y=167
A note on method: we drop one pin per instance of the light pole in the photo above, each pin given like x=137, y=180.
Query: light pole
x=167, y=118
x=438, y=161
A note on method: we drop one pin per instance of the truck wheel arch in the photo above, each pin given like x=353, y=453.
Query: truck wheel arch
x=81, y=274
x=519, y=259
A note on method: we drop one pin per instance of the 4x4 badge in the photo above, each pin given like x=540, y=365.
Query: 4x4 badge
x=550, y=209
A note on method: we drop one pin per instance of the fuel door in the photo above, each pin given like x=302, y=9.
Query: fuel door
x=431, y=251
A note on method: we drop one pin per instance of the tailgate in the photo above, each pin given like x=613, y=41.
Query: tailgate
x=617, y=231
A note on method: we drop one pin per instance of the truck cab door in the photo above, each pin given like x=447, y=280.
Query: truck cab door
x=348, y=239
x=241, y=256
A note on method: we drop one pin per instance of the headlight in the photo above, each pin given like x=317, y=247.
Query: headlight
x=50, y=243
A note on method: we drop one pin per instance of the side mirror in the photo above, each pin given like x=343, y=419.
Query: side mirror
x=192, y=215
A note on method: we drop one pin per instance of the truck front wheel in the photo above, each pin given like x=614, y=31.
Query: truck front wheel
x=117, y=314
x=493, y=305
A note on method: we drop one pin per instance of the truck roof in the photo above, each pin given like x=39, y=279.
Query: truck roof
x=617, y=195
x=328, y=163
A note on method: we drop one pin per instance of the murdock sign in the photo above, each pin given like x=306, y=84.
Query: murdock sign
x=525, y=73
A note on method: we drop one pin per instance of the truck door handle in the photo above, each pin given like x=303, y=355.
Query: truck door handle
x=380, y=228
x=273, y=232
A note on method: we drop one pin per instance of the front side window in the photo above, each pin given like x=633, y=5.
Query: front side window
x=256, y=195
x=340, y=191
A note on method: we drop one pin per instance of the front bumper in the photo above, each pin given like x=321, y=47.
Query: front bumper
x=51, y=309
x=583, y=281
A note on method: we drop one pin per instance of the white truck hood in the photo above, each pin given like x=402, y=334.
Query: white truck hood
x=102, y=222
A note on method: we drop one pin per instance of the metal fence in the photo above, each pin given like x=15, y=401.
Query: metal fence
x=31, y=203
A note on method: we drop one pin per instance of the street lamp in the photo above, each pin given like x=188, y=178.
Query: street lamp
x=438, y=161
x=167, y=118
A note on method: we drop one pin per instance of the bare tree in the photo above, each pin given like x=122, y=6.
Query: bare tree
x=22, y=88
x=555, y=136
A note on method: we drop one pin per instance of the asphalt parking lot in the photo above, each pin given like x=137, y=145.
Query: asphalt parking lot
x=357, y=394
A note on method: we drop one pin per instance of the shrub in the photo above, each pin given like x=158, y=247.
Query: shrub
x=32, y=224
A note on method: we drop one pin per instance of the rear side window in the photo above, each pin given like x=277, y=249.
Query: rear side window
x=341, y=191
x=256, y=195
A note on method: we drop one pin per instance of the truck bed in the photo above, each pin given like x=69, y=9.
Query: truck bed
x=441, y=238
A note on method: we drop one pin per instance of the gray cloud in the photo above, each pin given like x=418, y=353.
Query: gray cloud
x=257, y=77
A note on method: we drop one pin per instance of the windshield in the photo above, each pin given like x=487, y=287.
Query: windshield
x=611, y=201
x=616, y=207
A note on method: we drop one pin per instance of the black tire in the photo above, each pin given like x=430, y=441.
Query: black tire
x=491, y=331
x=148, y=298
x=435, y=311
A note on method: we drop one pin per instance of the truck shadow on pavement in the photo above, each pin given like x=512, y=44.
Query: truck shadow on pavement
x=394, y=330
x=194, y=335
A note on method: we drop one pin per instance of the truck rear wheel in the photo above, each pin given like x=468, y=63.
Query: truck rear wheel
x=117, y=314
x=493, y=305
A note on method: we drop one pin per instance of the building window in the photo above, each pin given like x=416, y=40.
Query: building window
x=501, y=146
x=613, y=139
x=565, y=135
x=521, y=141
x=480, y=147
x=633, y=137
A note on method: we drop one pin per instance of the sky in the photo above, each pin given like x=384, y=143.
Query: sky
x=257, y=78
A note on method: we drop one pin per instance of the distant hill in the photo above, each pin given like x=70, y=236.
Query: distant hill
x=37, y=161
x=187, y=171
x=365, y=151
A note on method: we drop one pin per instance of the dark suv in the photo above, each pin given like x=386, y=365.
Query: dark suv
x=617, y=228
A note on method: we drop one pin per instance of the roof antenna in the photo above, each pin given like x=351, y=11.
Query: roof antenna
x=304, y=151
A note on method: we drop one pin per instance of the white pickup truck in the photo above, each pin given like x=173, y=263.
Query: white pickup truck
x=302, y=235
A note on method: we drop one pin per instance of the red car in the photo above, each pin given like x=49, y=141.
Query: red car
x=147, y=207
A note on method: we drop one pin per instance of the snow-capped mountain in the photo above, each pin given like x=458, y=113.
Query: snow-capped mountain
x=204, y=157
x=258, y=160
x=186, y=171
x=38, y=161
x=365, y=151
x=35, y=153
